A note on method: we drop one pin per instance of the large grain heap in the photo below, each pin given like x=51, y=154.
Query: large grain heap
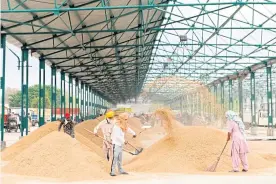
x=188, y=149
x=15, y=149
x=57, y=155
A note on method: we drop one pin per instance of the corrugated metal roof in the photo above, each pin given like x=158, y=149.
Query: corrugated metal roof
x=86, y=44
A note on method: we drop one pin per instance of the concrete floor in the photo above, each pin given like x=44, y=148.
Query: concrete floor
x=138, y=178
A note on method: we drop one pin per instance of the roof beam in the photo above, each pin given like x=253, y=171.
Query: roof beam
x=58, y=10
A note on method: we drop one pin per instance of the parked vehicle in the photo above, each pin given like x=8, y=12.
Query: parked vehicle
x=10, y=123
x=34, y=119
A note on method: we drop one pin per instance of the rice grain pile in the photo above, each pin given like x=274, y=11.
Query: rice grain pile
x=12, y=151
x=188, y=149
x=57, y=155
x=87, y=138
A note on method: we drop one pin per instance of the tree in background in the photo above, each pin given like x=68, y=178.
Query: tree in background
x=15, y=99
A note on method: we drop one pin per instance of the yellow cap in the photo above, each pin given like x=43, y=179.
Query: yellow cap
x=109, y=114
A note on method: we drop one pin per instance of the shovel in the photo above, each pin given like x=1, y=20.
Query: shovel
x=136, y=150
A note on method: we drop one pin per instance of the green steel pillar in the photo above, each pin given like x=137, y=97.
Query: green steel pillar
x=100, y=101
x=93, y=104
x=198, y=103
x=216, y=94
x=89, y=102
x=83, y=101
x=2, y=86
x=86, y=101
x=71, y=106
x=222, y=94
x=209, y=102
x=269, y=102
x=81, y=97
x=230, y=94
x=96, y=104
x=240, y=97
x=53, y=93
x=181, y=105
x=77, y=97
x=24, y=90
x=62, y=95
x=188, y=104
x=253, y=103
x=41, y=104
x=193, y=103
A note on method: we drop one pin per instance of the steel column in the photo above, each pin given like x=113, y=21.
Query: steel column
x=53, y=93
x=41, y=104
x=62, y=95
x=24, y=90
x=86, y=102
x=230, y=94
x=93, y=104
x=90, y=103
x=269, y=101
x=240, y=97
x=71, y=108
x=82, y=111
x=216, y=94
x=2, y=86
x=222, y=95
x=253, y=103
x=77, y=95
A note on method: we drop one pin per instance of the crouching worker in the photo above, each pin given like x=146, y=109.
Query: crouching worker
x=118, y=140
x=106, y=126
x=68, y=125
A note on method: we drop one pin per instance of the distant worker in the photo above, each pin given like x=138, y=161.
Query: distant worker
x=118, y=140
x=68, y=125
x=239, y=148
x=106, y=126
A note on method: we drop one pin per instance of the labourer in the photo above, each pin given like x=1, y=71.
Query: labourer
x=68, y=125
x=239, y=148
x=106, y=126
x=118, y=140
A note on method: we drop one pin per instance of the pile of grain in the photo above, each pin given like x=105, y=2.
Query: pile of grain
x=189, y=149
x=57, y=155
x=87, y=138
x=12, y=151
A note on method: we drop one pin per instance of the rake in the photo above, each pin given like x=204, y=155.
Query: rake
x=213, y=167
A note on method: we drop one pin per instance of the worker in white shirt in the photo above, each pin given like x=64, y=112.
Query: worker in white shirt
x=106, y=126
x=118, y=140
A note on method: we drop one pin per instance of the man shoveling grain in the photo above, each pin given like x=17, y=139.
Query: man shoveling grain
x=68, y=125
x=118, y=140
x=239, y=147
x=106, y=126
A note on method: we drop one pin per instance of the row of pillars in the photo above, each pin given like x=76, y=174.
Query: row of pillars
x=88, y=102
x=192, y=104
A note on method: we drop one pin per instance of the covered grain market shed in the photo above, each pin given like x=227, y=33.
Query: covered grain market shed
x=170, y=52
